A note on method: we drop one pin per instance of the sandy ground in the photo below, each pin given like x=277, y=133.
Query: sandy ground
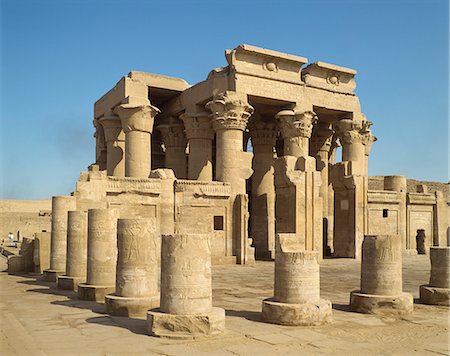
x=38, y=320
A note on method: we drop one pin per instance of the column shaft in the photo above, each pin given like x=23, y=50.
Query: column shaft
x=76, y=244
x=200, y=159
x=58, y=252
x=137, y=154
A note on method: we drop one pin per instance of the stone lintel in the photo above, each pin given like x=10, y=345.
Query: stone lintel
x=330, y=77
x=203, y=189
x=264, y=63
x=421, y=199
x=383, y=196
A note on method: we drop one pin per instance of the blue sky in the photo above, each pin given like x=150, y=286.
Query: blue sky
x=59, y=57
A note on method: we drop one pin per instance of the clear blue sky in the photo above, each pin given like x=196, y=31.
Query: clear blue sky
x=59, y=57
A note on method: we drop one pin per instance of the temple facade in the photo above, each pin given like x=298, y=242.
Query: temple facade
x=252, y=152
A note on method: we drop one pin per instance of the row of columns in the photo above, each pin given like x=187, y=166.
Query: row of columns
x=128, y=128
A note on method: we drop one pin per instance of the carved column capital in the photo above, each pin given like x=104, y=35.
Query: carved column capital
x=112, y=127
x=349, y=131
x=322, y=138
x=137, y=117
x=296, y=124
x=173, y=135
x=197, y=125
x=230, y=110
x=367, y=137
x=263, y=133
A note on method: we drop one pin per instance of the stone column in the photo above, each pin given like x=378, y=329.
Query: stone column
x=115, y=145
x=350, y=184
x=399, y=184
x=437, y=292
x=296, y=129
x=100, y=146
x=296, y=298
x=368, y=140
x=230, y=114
x=262, y=217
x=101, y=255
x=200, y=135
x=76, y=262
x=41, y=255
x=186, y=294
x=320, y=146
x=381, y=278
x=352, y=140
x=137, y=276
x=137, y=123
x=58, y=245
x=175, y=142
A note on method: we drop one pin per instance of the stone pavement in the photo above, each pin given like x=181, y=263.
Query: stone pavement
x=38, y=320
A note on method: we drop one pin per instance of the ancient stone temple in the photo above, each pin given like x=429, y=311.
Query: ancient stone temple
x=256, y=140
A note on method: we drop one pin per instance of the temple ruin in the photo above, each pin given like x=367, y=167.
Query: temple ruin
x=266, y=159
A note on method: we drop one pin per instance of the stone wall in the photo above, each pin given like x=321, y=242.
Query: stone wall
x=24, y=217
x=376, y=183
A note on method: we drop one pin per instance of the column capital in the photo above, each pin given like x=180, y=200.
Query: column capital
x=230, y=110
x=322, y=138
x=263, y=133
x=197, y=125
x=296, y=124
x=137, y=116
x=112, y=127
x=367, y=137
x=173, y=135
x=349, y=131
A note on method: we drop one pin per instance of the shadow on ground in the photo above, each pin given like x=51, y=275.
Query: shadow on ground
x=249, y=315
x=136, y=326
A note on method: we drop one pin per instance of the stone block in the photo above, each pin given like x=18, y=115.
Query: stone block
x=186, y=326
x=94, y=293
x=434, y=295
x=381, y=304
x=69, y=282
x=304, y=314
x=130, y=307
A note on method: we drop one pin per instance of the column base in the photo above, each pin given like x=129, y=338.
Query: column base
x=434, y=295
x=186, y=326
x=51, y=275
x=69, y=283
x=409, y=252
x=127, y=306
x=94, y=293
x=264, y=255
x=304, y=314
x=381, y=304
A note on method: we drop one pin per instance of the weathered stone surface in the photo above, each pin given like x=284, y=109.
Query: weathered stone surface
x=438, y=290
x=101, y=255
x=297, y=314
x=186, y=326
x=296, y=298
x=186, y=292
x=76, y=262
x=58, y=245
x=381, y=278
x=402, y=303
x=137, y=274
